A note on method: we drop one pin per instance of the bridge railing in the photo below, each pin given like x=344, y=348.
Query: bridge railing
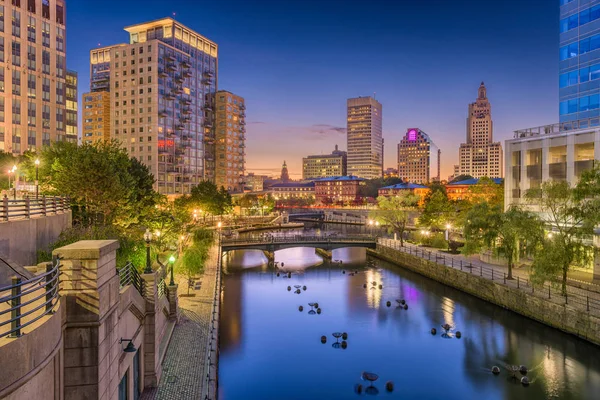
x=29, y=207
x=357, y=238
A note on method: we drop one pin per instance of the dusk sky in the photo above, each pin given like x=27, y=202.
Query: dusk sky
x=297, y=61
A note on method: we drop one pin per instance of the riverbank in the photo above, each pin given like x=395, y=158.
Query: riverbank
x=574, y=318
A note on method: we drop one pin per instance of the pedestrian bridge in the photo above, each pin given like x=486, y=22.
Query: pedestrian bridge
x=269, y=243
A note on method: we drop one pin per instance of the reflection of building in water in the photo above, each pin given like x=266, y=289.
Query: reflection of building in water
x=448, y=309
x=230, y=333
x=373, y=292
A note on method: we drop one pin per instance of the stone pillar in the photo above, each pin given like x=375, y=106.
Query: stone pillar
x=270, y=255
x=173, y=306
x=90, y=296
x=571, y=159
x=326, y=254
x=151, y=369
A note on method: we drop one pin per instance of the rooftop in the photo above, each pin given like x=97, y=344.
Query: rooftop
x=349, y=178
x=474, y=181
x=561, y=127
x=405, y=186
x=293, y=185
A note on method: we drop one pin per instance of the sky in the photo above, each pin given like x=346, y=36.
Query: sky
x=297, y=61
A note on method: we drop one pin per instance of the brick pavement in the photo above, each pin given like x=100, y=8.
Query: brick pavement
x=184, y=366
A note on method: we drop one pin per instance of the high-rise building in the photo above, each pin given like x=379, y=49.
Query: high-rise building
x=325, y=166
x=162, y=87
x=365, y=141
x=33, y=76
x=285, y=175
x=579, y=65
x=71, y=103
x=228, y=147
x=480, y=156
x=418, y=158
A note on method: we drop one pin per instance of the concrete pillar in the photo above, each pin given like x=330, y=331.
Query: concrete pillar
x=524, y=179
x=571, y=159
x=326, y=254
x=597, y=145
x=545, y=160
x=270, y=255
x=90, y=295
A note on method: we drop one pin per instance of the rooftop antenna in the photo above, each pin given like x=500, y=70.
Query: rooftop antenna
x=174, y=13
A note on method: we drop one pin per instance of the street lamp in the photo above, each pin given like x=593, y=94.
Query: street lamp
x=37, y=186
x=148, y=239
x=447, y=233
x=172, y=261
x=9, y=172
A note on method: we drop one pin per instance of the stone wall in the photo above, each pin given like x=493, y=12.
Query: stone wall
x=563, y=317
x=21, y=239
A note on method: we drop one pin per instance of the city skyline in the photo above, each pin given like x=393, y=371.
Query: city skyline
x=296, y=70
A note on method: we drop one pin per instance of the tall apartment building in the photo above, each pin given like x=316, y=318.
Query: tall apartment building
x=71, y=103
x=480, y=156
x=325, y=166
x=418, y=158
x=579, y=61
x=364, y=135
x=161, y=86
x=33, y=75
x=228, y=146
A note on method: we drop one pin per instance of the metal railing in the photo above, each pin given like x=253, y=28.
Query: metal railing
x=556, y=128
x=162, y=288
x=31, y=207
x=583, y=299
x=266, y=238
x=212, y=353
x=129, y=275
x=24, y=302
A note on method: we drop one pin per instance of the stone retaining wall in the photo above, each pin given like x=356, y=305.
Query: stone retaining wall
x=563, y=317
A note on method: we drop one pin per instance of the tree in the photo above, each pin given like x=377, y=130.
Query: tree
x=571, y=213
x=7, y=161
x=487, y=227
x=488, y=190
x=372, y=186
x=437, y=212
x=394, y=212
x=210, y=199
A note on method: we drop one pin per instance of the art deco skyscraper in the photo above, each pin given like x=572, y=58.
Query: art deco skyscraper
x=33, y=75
x=161, y=87
x=365, y=141
x=480, y=156
x=418, y=158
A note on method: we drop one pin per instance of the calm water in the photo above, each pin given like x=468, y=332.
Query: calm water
x=270, y=350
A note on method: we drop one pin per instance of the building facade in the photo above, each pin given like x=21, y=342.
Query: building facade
x=364, y=136
x=96, y=117
x=579, y=63
x=285, y=174
x=403, y=188
x=458, y=191
x=418, y=158
x=338, y=189
x=255, y=183
x=325, y=166
x=33, y=76
x=549, y=152
x=480, y=156
x=228, y=146
x=72, y=105
x=162, y=87
x=293, y=190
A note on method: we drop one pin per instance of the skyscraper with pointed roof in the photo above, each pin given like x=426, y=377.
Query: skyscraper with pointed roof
x=480, y=156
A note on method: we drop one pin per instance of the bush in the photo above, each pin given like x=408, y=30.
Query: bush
x=439, y=242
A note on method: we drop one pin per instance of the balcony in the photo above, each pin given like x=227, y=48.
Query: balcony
x=170, y=58
x=582, y=166
x=242, y=115
x=558, y=171
x=207, y=82
x=185, y=102
x=242, y=122
x=208, y=74
x=179, y=79
x=207, y=124
x=180, y=127
x=242, y=129
x=209, y=140
x=162, y=114
x=242, y=106
x=186, y=111
x=186, y=64
x=187, y=74
x=170, y=96
x=171, y=67
x=162, y=73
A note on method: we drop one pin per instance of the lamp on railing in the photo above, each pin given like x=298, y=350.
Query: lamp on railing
x=172, y=261
x=148, y=239
x=37, y=186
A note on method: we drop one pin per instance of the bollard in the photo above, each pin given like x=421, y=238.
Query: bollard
x=15, y=312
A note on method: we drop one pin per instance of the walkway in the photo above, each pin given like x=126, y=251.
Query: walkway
x=185, y=364
x=585, y=300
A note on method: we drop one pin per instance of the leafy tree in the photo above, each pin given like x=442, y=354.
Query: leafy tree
x=210, y=199
x=7, y=161
x=488, y=227
x=437, y=212
x=394, y=212
x=487, y=190
x=372, y=186
x=571, y=213
x=195, y=256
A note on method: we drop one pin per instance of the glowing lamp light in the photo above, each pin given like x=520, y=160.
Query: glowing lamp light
x=219, y=225
x=172, y=259
x=37, y=161
x=448, y=226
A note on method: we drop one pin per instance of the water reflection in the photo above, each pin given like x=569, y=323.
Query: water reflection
x=270, y=350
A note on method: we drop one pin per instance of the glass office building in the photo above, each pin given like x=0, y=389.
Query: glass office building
x=579, y=82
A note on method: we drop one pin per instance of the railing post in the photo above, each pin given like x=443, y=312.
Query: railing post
x=492, y=274
x=505, y=278
x=518, y=282
x=587, y=298
x=27, y=207
x=549, y=293
x=566, y=298
x=44, y=205
x=461, y=265
x=49, y=286
x=481, y=270
x=15, y=312
x=5, y=207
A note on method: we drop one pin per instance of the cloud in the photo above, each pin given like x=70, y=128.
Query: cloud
x=325, y=129
x=256, y=122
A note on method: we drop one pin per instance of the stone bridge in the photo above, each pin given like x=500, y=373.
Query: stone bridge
x=321, y=243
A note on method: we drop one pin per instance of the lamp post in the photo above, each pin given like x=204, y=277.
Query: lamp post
x=447, y=235
x=8, y=173
x=148, y=239
x=14, y=171
x=37, y=186
x=172, y=261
